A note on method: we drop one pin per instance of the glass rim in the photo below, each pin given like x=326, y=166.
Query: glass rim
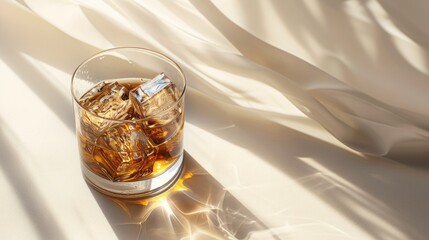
x=146, y=50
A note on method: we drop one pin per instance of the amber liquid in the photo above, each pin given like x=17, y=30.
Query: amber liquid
x=132, y=148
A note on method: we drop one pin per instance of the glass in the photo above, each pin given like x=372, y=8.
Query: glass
x=129, y=113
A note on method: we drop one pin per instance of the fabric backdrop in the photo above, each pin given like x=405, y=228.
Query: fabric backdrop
x=283, y=99
x=359, y=68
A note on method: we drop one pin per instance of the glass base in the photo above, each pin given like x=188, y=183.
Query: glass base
x=143, y=188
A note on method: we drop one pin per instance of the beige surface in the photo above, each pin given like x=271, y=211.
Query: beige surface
x=277, y=93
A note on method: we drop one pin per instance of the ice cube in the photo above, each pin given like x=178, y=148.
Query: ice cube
x=104, y=100
x=124, y=153
x=108, y=100
x=155, y=101
x=154, y=96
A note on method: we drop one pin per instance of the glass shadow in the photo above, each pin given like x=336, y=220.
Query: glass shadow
x=196, y=207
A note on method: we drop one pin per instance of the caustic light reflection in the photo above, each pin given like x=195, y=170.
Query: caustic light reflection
x=196, y=207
